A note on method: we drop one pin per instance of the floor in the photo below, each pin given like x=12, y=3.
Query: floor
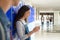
x=43, y=34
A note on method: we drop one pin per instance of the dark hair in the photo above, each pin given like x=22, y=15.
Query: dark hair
x=21, y=13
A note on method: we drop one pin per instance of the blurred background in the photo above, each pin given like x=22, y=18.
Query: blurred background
x=44, y=13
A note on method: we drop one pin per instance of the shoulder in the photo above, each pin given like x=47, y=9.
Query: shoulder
x=19, y=23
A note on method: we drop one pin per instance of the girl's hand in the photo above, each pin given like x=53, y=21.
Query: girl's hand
x=37, y=28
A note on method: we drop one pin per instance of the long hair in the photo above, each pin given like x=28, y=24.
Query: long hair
x=21, y=13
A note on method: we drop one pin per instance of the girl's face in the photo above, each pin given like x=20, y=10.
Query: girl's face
x=27, y=13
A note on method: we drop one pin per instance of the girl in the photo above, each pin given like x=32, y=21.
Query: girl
x=21, y=23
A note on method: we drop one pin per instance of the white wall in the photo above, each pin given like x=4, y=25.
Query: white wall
x=56, y=18
x=59, y=19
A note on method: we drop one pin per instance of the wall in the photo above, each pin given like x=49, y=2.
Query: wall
x=59, y=18
x=56, y=18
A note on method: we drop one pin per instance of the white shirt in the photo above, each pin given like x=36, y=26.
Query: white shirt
x=21, y=29
x=42, y=19
x=47, y=19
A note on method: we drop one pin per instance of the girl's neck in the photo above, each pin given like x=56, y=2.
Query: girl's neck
x=23, y=18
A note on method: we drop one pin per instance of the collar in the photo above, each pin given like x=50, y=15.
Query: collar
x=23, y=21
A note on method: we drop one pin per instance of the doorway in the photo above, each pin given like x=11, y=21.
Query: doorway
x=47, y=21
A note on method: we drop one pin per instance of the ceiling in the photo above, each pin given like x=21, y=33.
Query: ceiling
x=49, y=4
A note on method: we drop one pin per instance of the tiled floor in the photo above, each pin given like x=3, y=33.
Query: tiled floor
x=43, y=35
